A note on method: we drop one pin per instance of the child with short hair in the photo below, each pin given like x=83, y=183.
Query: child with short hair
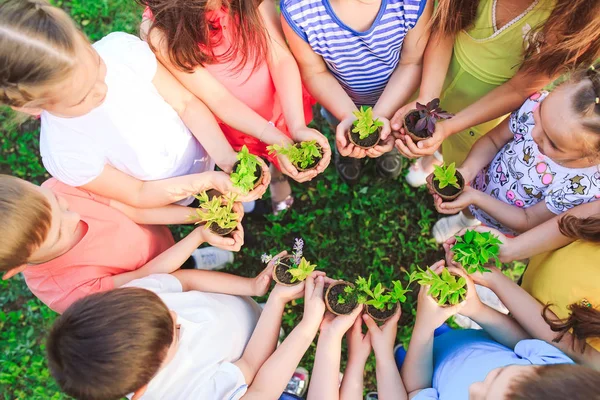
x=540, y=162
x=114, y=121
x=233, y=56
x=70, y=243
x=353, y=53
x=500, y=361
x=175, y=337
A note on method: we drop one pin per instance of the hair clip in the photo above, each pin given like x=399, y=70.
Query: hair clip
x=585, y=303
x=597, y=100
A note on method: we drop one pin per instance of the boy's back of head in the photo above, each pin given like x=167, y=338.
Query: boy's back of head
x=110, y=344
x=25, y=216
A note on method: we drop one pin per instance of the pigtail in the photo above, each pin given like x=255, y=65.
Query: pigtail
x=580, y=228
x=583, y=323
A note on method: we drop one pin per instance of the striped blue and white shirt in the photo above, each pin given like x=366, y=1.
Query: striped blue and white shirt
x=362, y=62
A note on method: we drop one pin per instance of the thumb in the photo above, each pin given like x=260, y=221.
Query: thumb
x=371, y=324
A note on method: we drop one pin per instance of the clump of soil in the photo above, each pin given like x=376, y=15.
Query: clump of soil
x=381, y=315
x=331, y=299
x=215, y=228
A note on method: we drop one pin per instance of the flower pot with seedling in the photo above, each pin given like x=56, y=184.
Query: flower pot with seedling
x=304, y=155
x=217, y=214
x=447, y=182
x=340, y=298
x=293, y=269
x=474, y=250
x=419, y=123
x=446, y=288
x=382, y=303
x=366, y=131
x=247, y=171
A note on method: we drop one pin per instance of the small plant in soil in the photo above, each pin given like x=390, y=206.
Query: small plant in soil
x=447, y=289
x=447, y=182
x=293, y=269
x=366, y=131
x=247, y=171
x=217, y=214
x=304, y=155
x=340, y=298
x=419, y=123
x=474, y=250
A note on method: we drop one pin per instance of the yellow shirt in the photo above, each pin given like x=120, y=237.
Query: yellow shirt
x=566, y=276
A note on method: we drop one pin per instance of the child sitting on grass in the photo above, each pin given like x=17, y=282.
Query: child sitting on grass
x=114, y=121
x=173, y=337
x=499, y=362
x=540, y=162
x=70, y=243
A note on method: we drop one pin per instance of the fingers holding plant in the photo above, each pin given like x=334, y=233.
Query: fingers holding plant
x=322, y=144
x=307, y=158
x=472, y=305
x=359, y=343
x=383, y=337
x=314, y=306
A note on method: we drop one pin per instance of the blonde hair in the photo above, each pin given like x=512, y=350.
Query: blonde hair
x=25, y=219
x=37, y=50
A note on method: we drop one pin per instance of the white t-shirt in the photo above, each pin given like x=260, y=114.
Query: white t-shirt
x=214, y=331
x=135, y=130
x=522, y=176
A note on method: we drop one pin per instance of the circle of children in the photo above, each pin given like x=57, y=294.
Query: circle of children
x=131, y=130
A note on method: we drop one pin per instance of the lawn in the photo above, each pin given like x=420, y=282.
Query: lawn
x=376, y=227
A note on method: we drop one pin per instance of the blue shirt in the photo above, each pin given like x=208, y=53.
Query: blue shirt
x=362, y=62
x=463, y=357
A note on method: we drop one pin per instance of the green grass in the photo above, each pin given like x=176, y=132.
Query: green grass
x=377, y=227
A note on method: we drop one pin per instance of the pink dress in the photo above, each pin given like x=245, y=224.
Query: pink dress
x=254, y=88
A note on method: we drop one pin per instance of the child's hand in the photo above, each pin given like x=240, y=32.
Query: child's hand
x=472, y=304
x=383, y=337
x=345, y=147
x=397, y=121
x=429, y=313
x=314, y=306
x=483, y=279
x=337, y=325
x=233, y=243
x=305, y=134
x=386, y=144
x=468, y=197
x=506, y=248
x=359, y=344
x=262, y=282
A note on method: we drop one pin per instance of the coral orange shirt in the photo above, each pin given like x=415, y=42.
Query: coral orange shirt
x=113, y=245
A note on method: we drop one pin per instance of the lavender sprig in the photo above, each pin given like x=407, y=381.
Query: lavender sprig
x=298, y=247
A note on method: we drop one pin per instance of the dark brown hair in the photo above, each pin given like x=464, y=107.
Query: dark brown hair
x=580, y=228
x=25, y=219
x=583, y=323
x=570, y=37
x=556, y=382
x=187, y=31
x=109, y=344
x=37, y=50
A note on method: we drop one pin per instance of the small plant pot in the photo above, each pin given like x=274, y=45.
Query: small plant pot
x=214, y=228
x=446, y=305
x=448, y=193
x=409, y=128
x=314, y=163
x=367, y=143
x=331, y=296
x=258, y=173
x=381, y=315
x=281, y=274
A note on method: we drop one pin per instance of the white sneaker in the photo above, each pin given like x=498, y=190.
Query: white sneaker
x=210, y=258
x=417, y=175
x=447, y=227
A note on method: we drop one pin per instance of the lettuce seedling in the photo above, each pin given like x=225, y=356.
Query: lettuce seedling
x=215, y=212
x=302, y=155
x=364, y=124
x=446, y=288
x=473, y=250
x=377, y=296
x=244, y=175
x=446, y=176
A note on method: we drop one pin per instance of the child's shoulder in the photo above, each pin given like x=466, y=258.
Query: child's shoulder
x=129, y=50
x=533, y=101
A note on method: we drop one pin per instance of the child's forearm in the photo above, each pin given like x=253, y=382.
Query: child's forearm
x=353, y=382
x=389, y=382
x=512, y=217
x=326, y=89
x=166, y=262
x=401, y=86
x=485, y=149
x=166, y=215
x=273, y=376
x=286, y=78
x=501, y=327
x=438, y=54
x=263, y=342
x=417, y=370
x=325, y=373
x=215, y=282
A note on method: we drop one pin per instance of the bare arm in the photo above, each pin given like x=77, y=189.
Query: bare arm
x=325, y=373
x=417, y=370
x=166, y=215
x=405, y=79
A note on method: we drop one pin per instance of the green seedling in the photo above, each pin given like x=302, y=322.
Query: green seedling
x=302, y=271
x=446, y=288
x=298, y=266
x=216, y=212
x=244, y=177
x=377, y=296
x=365, y=125
x=302, y=154
x=445, y=176
x=474, y=250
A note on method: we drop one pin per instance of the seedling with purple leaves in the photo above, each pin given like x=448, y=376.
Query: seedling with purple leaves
x=420, y=122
